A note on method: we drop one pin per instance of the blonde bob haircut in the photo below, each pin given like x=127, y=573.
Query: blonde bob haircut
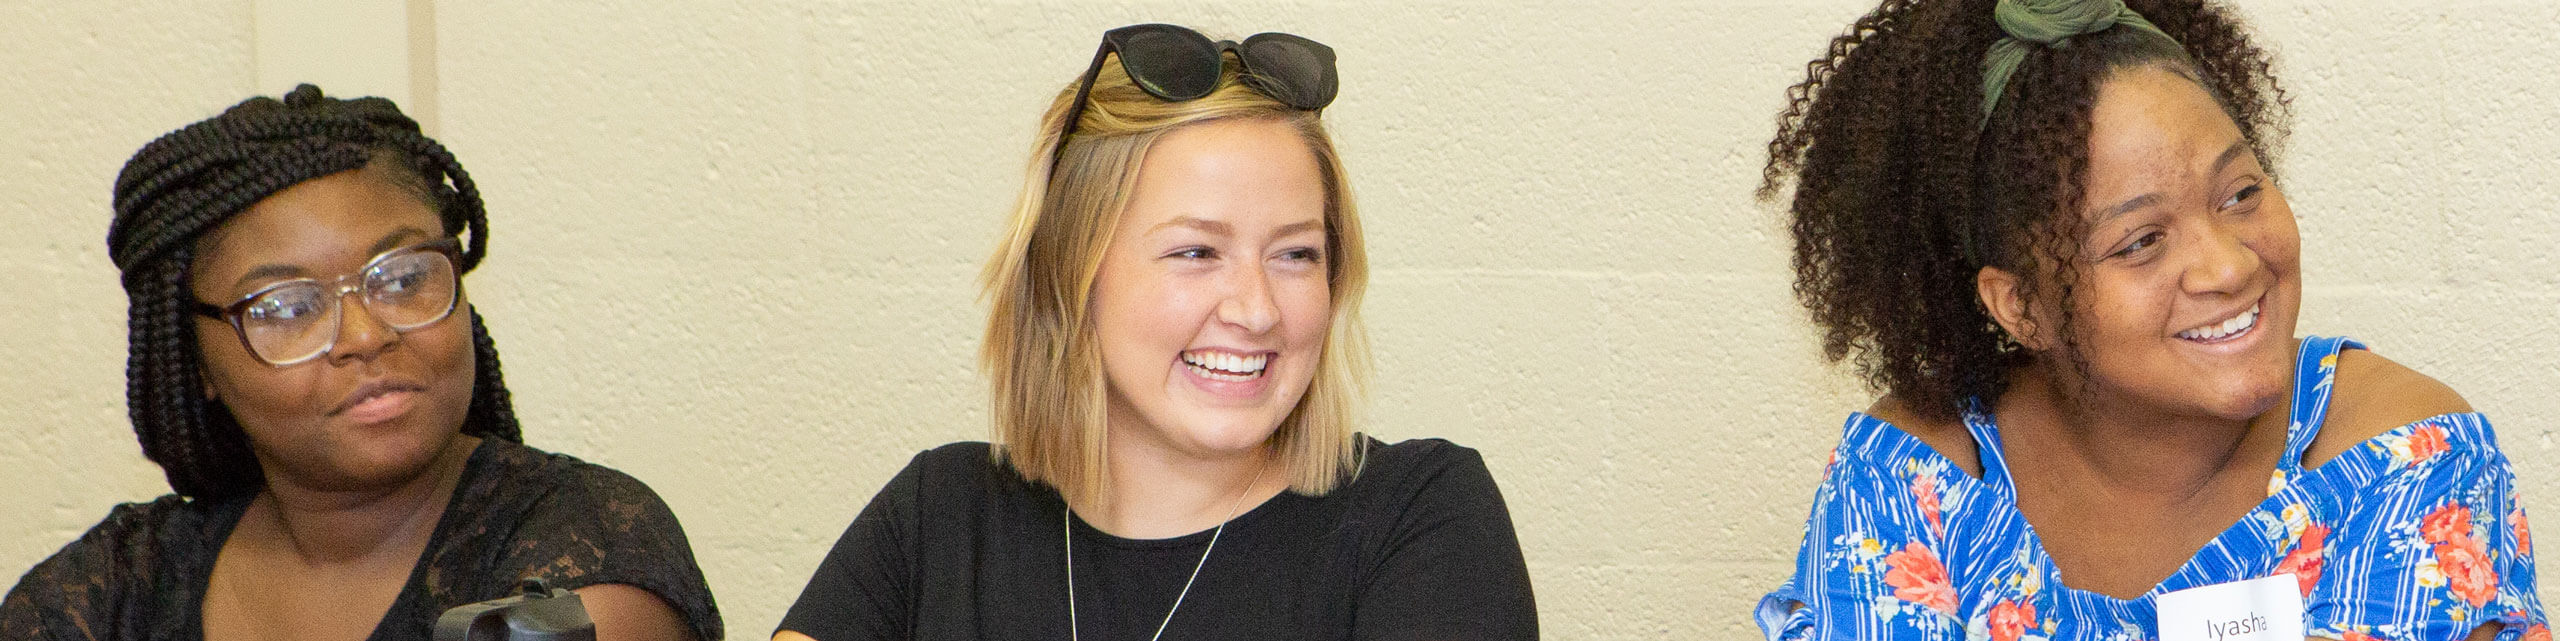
x=1042, y=357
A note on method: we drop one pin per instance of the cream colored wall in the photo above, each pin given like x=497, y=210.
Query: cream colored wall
x=733, y=248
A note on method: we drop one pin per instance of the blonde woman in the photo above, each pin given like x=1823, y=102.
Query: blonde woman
x=1174, y=351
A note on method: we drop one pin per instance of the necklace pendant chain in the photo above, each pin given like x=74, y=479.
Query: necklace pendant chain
x=1067, y=533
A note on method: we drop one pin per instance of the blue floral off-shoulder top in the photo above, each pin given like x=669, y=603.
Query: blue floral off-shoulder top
x=2413, y=535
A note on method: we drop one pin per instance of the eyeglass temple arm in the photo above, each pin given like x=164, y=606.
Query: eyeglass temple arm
x=1075, y=109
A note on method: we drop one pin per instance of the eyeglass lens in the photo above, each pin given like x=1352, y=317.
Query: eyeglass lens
x=300, y=320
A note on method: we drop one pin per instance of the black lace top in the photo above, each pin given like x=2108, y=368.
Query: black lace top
x=516, y=513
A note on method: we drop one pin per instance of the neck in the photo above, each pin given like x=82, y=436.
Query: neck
x=329, y=526
x=2137, y=448
x=1155, y=493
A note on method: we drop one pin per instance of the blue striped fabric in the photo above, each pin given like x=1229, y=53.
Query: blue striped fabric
x=2414, y=535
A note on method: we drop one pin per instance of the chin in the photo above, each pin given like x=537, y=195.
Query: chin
x=2246, y=399
x=1233, y=434
x=380, y=460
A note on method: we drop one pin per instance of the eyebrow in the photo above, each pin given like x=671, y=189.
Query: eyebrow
x=394, y=240
x=1223, y=229
x=2138, y=202
x=1202, y=224
x=2229, y=154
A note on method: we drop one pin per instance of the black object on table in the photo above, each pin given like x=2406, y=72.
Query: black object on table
x=537, y=613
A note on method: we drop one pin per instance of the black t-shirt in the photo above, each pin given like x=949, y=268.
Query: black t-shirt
x=1417, y=546
x=516, y=513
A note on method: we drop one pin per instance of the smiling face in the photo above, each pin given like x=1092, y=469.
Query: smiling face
x=1211, y=305
x=2191, y=265
x=380, y=405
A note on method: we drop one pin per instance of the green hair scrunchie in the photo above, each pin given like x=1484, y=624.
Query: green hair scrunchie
x=2049, y=23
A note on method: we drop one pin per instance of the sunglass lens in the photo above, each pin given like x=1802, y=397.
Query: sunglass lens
x=1298, y=71
x=1170, y=64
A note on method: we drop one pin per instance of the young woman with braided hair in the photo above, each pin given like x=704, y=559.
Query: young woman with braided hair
x=328, y=408
x=2050, y=232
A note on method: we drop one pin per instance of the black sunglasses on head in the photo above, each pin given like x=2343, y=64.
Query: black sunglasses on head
x=1176, y=64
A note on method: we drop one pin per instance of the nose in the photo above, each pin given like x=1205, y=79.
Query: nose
x=2224, y=263
x=360, y=335
x=1248, y=304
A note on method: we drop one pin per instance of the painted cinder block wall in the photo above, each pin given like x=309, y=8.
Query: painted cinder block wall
x=734, y=247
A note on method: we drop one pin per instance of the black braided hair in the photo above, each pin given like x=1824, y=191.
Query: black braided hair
x=191, y=180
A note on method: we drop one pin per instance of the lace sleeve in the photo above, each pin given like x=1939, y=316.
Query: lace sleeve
x=120, y=580
x=613, y=529
x=65, y=598
x=573, y=524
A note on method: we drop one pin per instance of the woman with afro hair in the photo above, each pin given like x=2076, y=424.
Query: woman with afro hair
x=2051, y=233
x=307, y=369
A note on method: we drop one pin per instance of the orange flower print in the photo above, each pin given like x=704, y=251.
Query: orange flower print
x=2445, y=524
x=2426, y=442
x=1924, y=490
x=2307, y=557
x=2010, y=620
x=2538, y=632
x=2465, y=564
x=1918, y=577
x=2524, y=535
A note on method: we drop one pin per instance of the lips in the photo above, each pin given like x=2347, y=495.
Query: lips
x=378, y=400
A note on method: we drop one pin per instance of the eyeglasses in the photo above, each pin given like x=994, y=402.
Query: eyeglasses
x=1177, y=64
x=297, y=320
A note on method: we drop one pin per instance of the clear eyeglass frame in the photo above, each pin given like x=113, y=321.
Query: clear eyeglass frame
x=333, y=292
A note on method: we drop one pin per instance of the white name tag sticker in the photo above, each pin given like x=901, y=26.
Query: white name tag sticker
x=2268, y=609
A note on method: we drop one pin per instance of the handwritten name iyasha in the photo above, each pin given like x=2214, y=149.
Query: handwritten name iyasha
x=2235, y=628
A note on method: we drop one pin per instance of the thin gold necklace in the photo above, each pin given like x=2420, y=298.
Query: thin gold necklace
x=1066, y=533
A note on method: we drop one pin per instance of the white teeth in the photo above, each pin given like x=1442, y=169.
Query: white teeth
x=2237, y=324
x=1222, y=366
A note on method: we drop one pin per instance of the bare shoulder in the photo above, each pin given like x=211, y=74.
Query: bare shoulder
x=1948, y=436
x=2374, y=395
